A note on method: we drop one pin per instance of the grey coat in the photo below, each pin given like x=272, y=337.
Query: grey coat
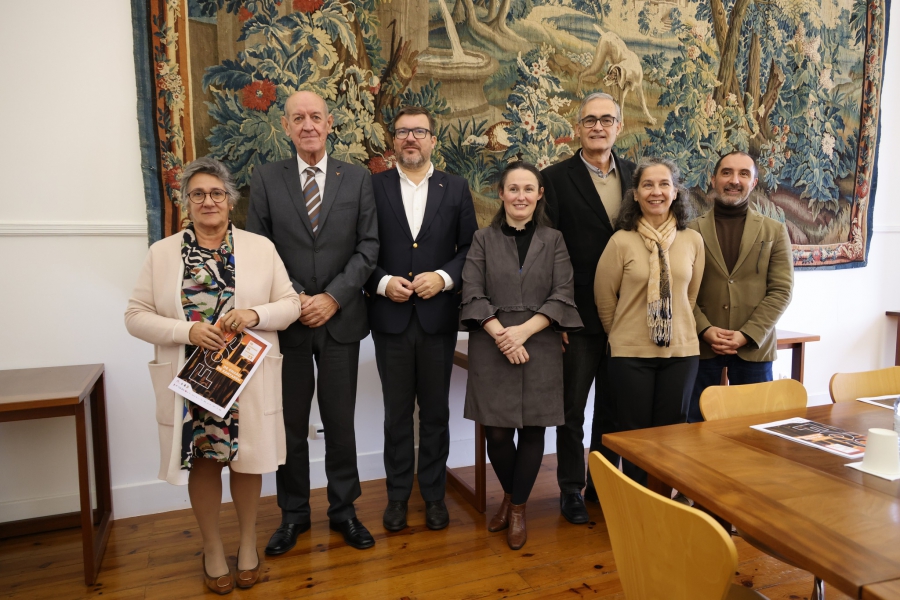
x=499, y=393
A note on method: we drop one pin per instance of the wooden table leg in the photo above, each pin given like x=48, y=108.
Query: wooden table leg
x=84, y=489
x=797, y=356
x=897, y=346
x=476, y=496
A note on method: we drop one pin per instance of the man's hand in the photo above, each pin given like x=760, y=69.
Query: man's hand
x=398, y=289
x=316, y=310
x=427, y=285
x=724, y=341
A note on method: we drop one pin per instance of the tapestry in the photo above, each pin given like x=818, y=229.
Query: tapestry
x=795, y=83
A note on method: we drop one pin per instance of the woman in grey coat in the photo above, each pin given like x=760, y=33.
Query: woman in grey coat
x=517, y=299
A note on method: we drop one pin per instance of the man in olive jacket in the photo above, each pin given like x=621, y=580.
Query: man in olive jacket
x=746, y=285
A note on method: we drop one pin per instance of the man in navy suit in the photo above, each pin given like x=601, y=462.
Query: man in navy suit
x=426, y=220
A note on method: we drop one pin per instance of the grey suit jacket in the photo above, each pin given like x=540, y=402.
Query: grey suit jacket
x=337, y=261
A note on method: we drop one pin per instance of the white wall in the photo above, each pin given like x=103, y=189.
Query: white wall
x=71, y=99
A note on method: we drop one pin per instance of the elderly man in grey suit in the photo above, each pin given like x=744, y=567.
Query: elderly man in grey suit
x=320, y=214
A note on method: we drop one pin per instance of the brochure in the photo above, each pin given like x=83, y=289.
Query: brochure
x=882, y=401
x=818, y=435
x=214, y=379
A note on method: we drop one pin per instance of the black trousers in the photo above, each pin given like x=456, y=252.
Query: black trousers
x=415, y=366
x=584, y=364
x=651, y=392
x=337, y=365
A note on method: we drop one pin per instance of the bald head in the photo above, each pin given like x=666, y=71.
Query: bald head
x=307, y=122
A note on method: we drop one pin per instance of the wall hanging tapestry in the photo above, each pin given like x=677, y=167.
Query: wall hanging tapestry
x=796, y=83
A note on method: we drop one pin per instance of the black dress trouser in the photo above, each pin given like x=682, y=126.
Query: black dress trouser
x=651, y=392
x=415, y=367
x=584, y=364
x=337, y=365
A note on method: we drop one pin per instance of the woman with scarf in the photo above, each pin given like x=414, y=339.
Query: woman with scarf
x=197, y=288
x=645, y=289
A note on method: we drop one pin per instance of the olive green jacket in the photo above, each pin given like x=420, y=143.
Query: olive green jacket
x=754, y=295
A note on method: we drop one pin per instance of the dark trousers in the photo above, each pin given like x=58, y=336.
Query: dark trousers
x=415, y=366
x=740, y=371
x=584, y=364
x=337, y=365
x=651, y=392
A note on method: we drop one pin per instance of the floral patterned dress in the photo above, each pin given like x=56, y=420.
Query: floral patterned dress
x=207, y=293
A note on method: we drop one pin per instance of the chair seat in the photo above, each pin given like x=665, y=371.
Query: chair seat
x=739, y=592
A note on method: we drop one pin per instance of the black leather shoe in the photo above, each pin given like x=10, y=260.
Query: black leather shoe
x=285, y=537
x=572, y=508
x=395, y=515
x=354, y=532
x=590, y=495
x=436, y=515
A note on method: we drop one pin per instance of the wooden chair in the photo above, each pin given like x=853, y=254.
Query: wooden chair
x=723, y=402
x=664, y=549
x=726, y=401
x=847, y=387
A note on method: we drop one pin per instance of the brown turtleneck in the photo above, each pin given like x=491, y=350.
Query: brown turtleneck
x=730, y=229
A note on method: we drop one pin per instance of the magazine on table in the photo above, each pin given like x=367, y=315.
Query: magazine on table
x=214, y=379
x=882, y=401
x=818, y=435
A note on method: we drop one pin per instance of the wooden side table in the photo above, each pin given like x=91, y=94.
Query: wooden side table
x=77, y=391
x=895, y=313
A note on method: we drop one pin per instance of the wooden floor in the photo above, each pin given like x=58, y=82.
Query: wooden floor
x=158, y=556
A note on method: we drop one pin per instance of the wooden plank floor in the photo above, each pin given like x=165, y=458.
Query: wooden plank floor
x=158, y=556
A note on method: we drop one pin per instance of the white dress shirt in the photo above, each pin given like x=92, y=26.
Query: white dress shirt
x=320, y=174
x=415, y=197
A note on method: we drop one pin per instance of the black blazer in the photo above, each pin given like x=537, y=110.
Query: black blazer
x=442, y=243
x=577, y=211
x=339, y=259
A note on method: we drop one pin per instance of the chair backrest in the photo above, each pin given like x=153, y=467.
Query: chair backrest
x=846, y=387
x=725, y=401
x=662, y=549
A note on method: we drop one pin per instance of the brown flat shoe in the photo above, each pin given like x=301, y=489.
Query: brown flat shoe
x=516, y=535
x=248, y=578
x=223, y=584
x=500, y=521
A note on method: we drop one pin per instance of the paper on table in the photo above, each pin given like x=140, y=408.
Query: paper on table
x=214, y=379
x=817, y=435
x=882, y=401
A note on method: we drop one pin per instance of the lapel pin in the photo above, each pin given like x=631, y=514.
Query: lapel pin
x=441, y=184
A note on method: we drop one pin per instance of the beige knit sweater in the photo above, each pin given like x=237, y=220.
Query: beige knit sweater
x=620, y=291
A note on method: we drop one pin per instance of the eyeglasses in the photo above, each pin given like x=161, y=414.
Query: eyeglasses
x=606, y=120
x=420, y=133
x=199, y=197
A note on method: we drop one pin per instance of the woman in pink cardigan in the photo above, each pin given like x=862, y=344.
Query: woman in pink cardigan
x=196, y=285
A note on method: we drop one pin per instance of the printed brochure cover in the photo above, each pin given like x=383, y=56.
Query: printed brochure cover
x=214, y=379
x=882, y=401
x=818, y=435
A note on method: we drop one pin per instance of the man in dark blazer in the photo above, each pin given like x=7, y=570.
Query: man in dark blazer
x=320, y=214
x=426, y=220
x=584, y=194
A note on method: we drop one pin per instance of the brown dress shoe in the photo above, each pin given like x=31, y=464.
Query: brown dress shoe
x=247, y=578
x=223, y=584
x=500, y=521
x=516, y=535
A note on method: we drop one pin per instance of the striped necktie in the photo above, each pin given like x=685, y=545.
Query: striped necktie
x=313, y=198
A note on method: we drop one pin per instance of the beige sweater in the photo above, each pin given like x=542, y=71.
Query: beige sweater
x=620, y=291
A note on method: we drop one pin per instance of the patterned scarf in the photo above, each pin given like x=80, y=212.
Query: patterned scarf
x=659, y=285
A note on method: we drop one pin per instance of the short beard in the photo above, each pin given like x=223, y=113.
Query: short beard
x=412, y=163
x=726, y=201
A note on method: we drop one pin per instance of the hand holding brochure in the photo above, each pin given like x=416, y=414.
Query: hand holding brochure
x=818, y=435
x=214, y=379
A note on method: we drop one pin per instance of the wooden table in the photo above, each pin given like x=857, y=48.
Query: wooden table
x=477, y=496
x=838, y=523
x=895, y=313
x=59, y=392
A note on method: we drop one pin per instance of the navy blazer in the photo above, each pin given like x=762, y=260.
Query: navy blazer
x=577, y=211
x=442, y=243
